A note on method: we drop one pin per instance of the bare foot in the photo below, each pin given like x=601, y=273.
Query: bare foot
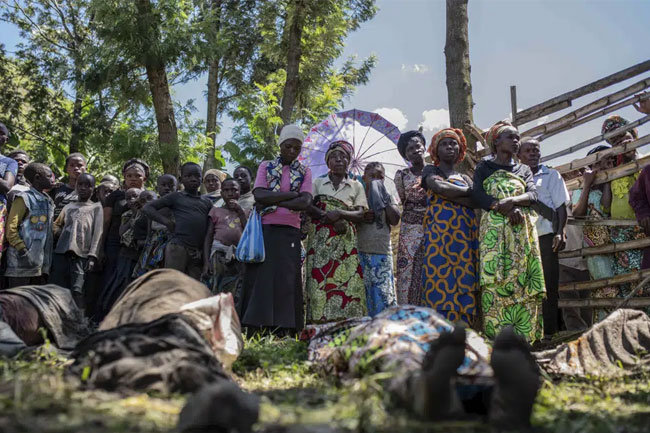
x=517, y=381
x=446, y=354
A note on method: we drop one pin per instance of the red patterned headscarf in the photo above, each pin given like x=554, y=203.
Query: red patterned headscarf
x=454, y=133
x=615, y=122
x=495, y=131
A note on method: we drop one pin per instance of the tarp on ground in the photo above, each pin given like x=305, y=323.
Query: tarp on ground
x=617, y=346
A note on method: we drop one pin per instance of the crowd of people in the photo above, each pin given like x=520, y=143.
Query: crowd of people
x=482, y=250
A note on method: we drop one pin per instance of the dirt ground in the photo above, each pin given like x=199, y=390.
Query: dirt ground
x=35, y=396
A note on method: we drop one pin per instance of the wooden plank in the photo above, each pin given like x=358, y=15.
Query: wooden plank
x=635, y=244
x=631, y=277
x=596, y=115
x=612, y=173
x=588, y=109
x=602, y=303
x=532, y=113
x=601, y=222
x=600, y=155
x=513, y=103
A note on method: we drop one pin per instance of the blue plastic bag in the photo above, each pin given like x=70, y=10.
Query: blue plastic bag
x=251, y=245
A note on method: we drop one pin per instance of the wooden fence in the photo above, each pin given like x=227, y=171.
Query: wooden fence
x=599, y=107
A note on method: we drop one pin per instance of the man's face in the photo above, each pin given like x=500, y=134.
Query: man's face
x=529, y=153
x=22, y=161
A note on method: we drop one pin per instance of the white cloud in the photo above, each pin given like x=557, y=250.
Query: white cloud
x=394, y=116
x=417, y=68
x=435, y=119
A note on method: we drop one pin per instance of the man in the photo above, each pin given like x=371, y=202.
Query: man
x=552, y=193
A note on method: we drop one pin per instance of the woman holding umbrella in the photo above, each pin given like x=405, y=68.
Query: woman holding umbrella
x=335, y=288
x=410, y=254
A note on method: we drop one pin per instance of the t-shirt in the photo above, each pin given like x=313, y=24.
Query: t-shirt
x=117, y=202
x=7, y=165
x=190, y=215
x=227, y=225
x=372, y=239
x=282, y=216
x=81, y=228
x=62, y=196
x=350, y=191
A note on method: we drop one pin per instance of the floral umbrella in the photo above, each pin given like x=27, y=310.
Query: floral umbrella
x=373, y=138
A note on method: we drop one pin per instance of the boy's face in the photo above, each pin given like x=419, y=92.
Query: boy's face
x=373, y=173
x=212, y=183
x=132, y=195
x=242, y=176
x=85, y=188
x=22, y=160
x=529, y=153
x=165, y=185
x=230, y=190
x=191, y=178
x=75, y=167
x=44, y=182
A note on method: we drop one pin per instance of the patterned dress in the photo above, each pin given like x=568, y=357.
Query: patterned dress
x=152, y=256
x=410, y=254
x=334, y=288
x=450, y=276
x=511, y=274
x=379, y=281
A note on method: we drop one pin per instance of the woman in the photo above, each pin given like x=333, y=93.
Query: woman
x=630, y=260
x=212, y=180
x=450, y=271
x=272, y=290
x=135, y=173
x=410, y=255
x=594, y=202
x=511, y=275
x=335, y=289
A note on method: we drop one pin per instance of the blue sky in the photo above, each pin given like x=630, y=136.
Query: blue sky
x=544, y=47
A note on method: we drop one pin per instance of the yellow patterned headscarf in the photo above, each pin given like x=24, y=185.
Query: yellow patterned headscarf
x=217, y=173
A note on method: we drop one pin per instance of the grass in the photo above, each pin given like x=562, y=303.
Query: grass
x=36, y=396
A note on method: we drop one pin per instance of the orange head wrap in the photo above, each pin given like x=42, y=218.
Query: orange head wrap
x=454, y=133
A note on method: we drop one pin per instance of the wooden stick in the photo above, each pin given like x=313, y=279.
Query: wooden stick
x=601, y=222
x=602, y=303
x=513, y=103
x=612, y=173
x=602, y=154
x=589, y=108
x=532, y=113
x=635, y=244
x=606, y=282
x=596, y=115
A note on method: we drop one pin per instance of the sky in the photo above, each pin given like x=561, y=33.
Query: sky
x=544, y=47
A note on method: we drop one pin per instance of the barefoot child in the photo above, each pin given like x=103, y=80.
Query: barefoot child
x=29, y=229
x=373, y=241
x=190, y=210
x=224, y=231
x=153, y=253
x=79, y=229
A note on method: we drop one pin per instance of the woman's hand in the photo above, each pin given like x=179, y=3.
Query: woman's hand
x=588, y=177
x=368, y=216
x=504, y=206
x=332, y=216
x=515, y=216
x=340, y=227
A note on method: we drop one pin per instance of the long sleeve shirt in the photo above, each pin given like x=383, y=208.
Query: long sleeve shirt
x=80, y=225
x=16, y=217
x=639, y=197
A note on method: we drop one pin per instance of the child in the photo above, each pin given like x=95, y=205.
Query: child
x=29, y=229
x=373, y=240
x=224, y=230
x=127, y=258
x=79, y=229
x=75, y=165
x=153, y=252
x=190, y=210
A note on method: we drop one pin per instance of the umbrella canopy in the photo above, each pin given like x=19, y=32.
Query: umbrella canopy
x=373, y=138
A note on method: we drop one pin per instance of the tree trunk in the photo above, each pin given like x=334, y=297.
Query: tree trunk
x=163, y=106
x=213, y=99
x=75, y=128
x=294, y=52
x=459, y=83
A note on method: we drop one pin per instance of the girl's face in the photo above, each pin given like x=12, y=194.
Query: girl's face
x=212, y=183
x=134, y=177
